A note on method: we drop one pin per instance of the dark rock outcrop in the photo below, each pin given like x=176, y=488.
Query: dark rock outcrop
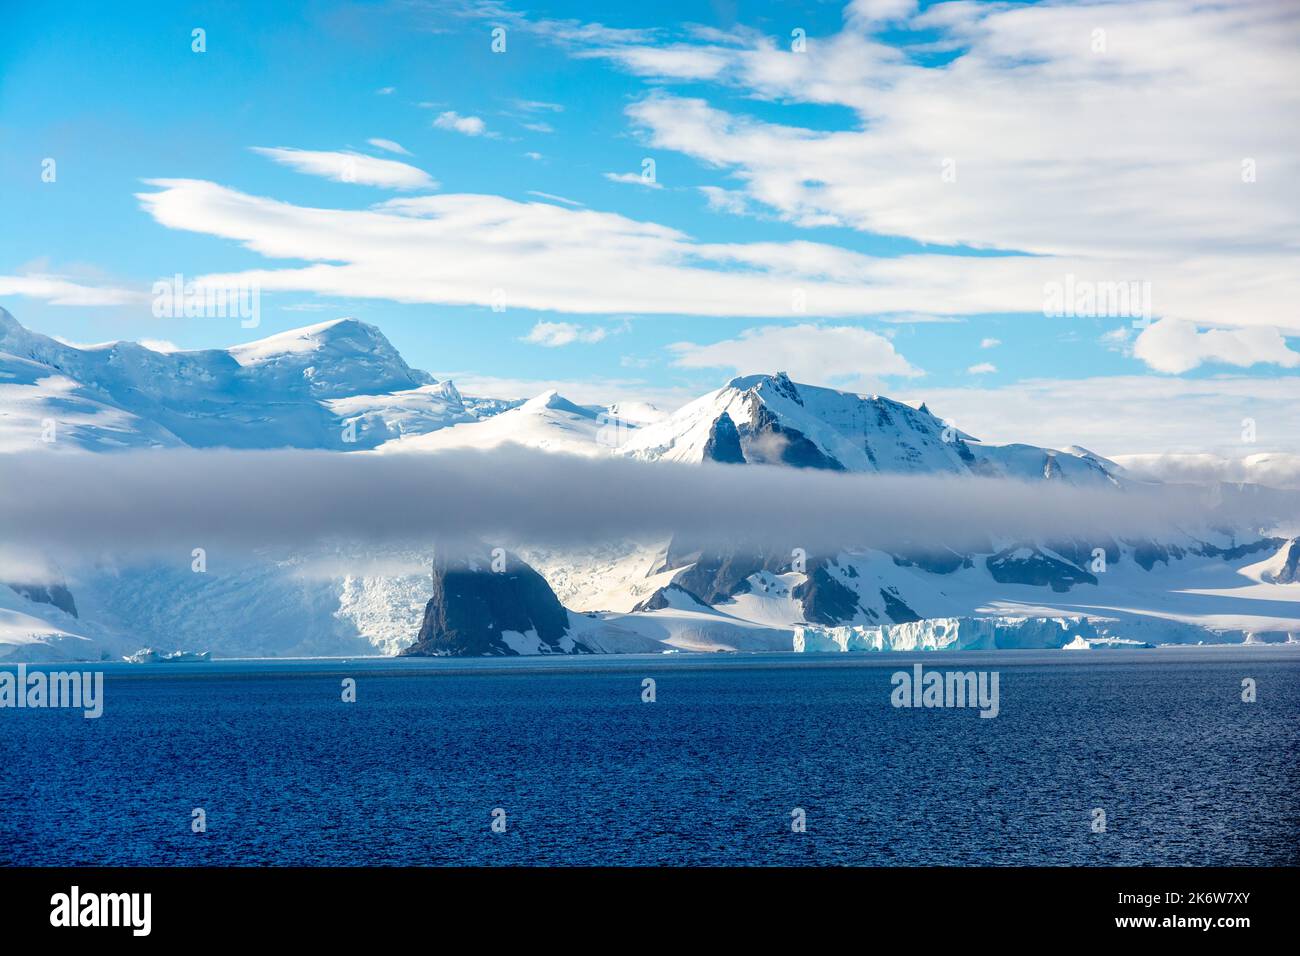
x=55, y=594
x=663, y=598
x=768, y=441
x=936, y=560
x=713, y=577
x=1147, y=553
x=473, y=604
x=724, y=442
x=825, y=600
x=896, y=608
x=1290, y=572
x=1029, y=565
x=1080, y=553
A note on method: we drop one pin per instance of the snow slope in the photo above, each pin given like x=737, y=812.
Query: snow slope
x=299, y=389
x=768, y=419
x=549, y=422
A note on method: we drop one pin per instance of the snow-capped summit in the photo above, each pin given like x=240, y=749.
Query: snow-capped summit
x=337, y=384
x=331, y=360
x=769, y=419
x=548, y=421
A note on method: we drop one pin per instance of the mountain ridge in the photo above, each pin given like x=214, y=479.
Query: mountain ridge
x=341, y=386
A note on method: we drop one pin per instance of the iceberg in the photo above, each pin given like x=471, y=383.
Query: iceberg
x=947, y=633
x=147, y=655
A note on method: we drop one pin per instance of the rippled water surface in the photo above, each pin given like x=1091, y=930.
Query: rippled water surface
x=709, y=773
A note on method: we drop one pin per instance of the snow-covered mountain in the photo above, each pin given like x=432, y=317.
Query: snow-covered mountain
x=341, y=386
x=337, y=385
x=768, y=419
x=549, y=422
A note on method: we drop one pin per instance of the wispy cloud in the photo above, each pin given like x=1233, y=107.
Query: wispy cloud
x=538, y=106
x=348, y=167
x=62, y=290
x=819, y=355
x=633, y=179
x=556, y=334
x=459, y=248
x=554, y=198
x=389, y=146
x=455, y=122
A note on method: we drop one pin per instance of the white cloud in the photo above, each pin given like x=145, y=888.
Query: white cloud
x=731, y=201
x=1118, y=339
x=385, y=90
x=539, y=106
x=344, y=167
x=880, y=11
x=679, y=62
x=990, y=343
x=1273, y=470
x=60, y=290
x=633, y=179
x=555, y=334
x=389, y=146
x=554, y=198
x=983, y=368
x=814, y=354
x=1204, y=156
x=459, y=248
x=1171, y=122
x=1129, y=414
x=1173, y=346
x=469, y=125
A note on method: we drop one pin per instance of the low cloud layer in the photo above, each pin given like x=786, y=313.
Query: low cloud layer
x=159, y=501
x=1271, y=470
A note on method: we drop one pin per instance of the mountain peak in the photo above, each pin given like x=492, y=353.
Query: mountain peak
x=309, y=338
x=341, y=357
x=745, y=382
x=553, y=400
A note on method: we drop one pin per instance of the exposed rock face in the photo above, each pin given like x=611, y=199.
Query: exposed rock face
x=769, y=441
x=1029, y=565
x=896, y=608
x=825, y=600
x=663, y=598
x=724, y=442
x=713, y=577
x=55, y=594
x=1080, y=553
x=476, y=610
x=1290, y=573
x=936, y=560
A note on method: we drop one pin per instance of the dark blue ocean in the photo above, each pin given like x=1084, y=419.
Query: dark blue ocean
x=709, y=773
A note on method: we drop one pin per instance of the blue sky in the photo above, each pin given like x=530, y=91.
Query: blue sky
x=831, y=158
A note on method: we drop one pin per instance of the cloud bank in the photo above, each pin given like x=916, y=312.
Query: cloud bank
x=177, y=500
x=474, y=249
